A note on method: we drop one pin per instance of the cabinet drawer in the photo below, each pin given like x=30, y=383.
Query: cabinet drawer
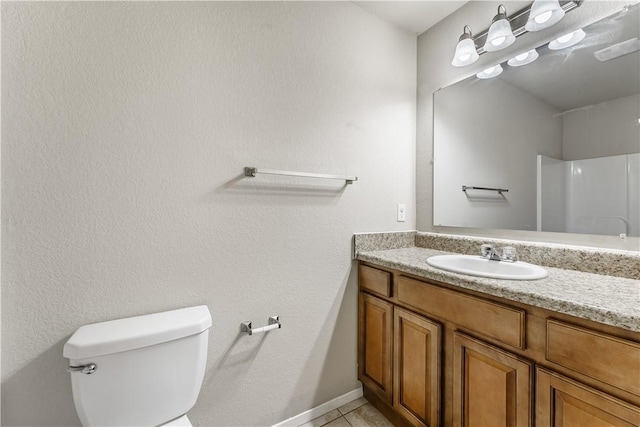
x=609, y=359
x=374, y=280
x=503, y=323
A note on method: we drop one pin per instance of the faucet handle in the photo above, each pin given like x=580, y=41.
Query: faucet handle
x=486, y=250
x=509, y=254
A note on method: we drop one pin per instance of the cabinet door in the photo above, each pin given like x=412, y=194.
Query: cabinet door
x=375, y=345
x=490, y=386
x=416, y=378
x=562, y=402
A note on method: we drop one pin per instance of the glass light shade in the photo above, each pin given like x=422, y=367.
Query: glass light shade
x=465, y=53
x=544, y=14
x=499, y=36
x=490, y=72
x=567, y=40
x=524, y=58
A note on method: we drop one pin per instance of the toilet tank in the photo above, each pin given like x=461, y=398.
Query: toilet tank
x=149, y=369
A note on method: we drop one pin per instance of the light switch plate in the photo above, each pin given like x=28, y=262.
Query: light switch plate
x=402, y=212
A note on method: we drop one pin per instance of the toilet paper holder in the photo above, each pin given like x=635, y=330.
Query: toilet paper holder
x=274, y=323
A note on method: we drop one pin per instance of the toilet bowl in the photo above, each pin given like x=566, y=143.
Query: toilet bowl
x=139, y=371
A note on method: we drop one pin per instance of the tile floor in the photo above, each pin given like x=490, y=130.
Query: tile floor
x=357, y=413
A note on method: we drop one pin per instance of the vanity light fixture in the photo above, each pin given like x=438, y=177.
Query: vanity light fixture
x=504, y=30
x=490, y=72
x=500, y=34
x=567, y=40
x=466, y=52
x=524, y=58
x=544, y=14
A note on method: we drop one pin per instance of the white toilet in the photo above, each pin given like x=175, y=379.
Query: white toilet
x=139, y=371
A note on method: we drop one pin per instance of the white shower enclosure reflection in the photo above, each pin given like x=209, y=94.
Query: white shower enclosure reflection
x=590, y=196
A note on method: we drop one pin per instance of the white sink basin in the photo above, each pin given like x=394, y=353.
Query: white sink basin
x=478, y=266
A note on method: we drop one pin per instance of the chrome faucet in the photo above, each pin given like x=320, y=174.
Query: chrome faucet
x=491, y=253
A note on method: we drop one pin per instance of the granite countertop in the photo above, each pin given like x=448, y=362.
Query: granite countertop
x=610, y=300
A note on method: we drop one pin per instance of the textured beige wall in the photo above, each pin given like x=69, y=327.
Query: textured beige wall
x=435, y=51
x=609, y=128
x=126, y=127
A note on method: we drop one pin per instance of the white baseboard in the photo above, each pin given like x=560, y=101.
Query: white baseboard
x=329, y=406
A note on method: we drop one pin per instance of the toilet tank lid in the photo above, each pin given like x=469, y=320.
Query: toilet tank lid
x=119, y=335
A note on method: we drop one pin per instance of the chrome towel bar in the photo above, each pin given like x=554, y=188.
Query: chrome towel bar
x=470, y=187
x=250, y=171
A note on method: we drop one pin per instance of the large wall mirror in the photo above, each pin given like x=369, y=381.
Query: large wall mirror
x=553, y=145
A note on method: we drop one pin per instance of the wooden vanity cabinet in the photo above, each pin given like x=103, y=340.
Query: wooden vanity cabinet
x=491, y=387
x=603, y=357
x=606, y=359
x=399, y=354
x=417, y=368
x=562, y=402
x=375, y=346
x=432, y=354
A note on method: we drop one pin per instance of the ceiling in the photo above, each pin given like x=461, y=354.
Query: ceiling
x=413, y=16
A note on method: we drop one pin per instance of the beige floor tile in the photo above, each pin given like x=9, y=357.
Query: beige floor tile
x=367, y=416
x=338, y=422
x=323, y=419
x=354, y=404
